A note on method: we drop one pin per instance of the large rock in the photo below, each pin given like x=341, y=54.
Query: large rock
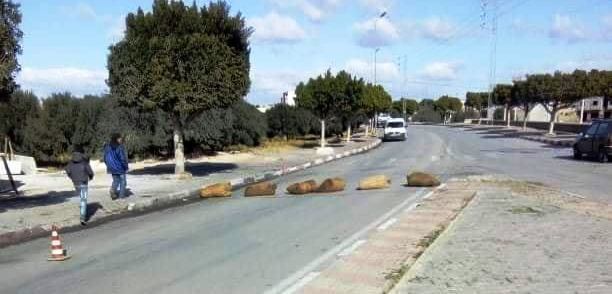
x=331, y=185
x=302, y=187
x=261, y=189
x=421, y=179
x=374, y=182
x=216, y=190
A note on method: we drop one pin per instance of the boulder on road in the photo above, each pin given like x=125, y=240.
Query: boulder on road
x=261, y=189
x=302, y=187
x=374, y=182
x=216, y=190
x=421, y=179
x=332, y=185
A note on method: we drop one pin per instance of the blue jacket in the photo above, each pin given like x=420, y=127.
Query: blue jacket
x=115, y=158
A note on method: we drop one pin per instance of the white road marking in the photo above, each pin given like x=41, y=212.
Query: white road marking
x=387, y=224
x=302, y=282
x=295, y=277
x=411, y=207
x=435, y=158
x=349, y=250
x=428, y=195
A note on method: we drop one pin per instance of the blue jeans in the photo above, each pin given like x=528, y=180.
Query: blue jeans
x=119, y=185
x=82, y=192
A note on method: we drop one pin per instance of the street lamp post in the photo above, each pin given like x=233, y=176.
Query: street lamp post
x=382, y=15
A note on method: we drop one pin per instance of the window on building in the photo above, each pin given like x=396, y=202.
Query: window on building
x=595, y=103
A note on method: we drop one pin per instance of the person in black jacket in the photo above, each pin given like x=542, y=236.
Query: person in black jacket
x=79, y=171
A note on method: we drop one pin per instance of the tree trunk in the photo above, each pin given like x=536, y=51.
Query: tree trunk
x=525, y=117
x=553, y=118
x=367, y=128
x=322, y=133
x=507, y=115
x=179, y=151
x=348, y=133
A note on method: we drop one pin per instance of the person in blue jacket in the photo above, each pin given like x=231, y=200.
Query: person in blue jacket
x=116, y=160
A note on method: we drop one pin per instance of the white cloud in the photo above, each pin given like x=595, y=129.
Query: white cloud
x=385, y=71
x=315, y=10
x=376, y=32
x=45, y=81
x=440, y=70
x=115, y=26
x=566, y=29
x=268, y=86
x=84, y=11
x=438, y=29
x=276, y=28
x=379, y=5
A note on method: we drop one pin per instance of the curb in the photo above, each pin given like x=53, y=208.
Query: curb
x=172, y=200
x=563, y=143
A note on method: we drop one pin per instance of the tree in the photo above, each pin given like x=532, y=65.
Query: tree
x=523, y=98
x=502, y=95
x=183, y=61
x=375, y=99
x=410, y=105
x=477, y=100
x=329, y=96
x=21, y=109
x=558, y=91
x=446, y=105
x=290, y=121
x=10, y=38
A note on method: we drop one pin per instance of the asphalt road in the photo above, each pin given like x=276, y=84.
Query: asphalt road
x=253, y=245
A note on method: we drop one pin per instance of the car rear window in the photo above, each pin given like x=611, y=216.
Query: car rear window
x=395, y=125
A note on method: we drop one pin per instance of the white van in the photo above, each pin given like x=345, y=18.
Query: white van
x=395, y=129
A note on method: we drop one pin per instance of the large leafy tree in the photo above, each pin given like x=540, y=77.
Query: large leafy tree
x=10, y=38
x=409, y=105
x=502, y=95
x=182, y=60
x=447, y=106
x=477, y=101
x=329, y=96
x=523, y=98
x=558, y=91
x=375, y=99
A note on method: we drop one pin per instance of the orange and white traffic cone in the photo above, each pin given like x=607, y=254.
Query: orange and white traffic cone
x=57, y=250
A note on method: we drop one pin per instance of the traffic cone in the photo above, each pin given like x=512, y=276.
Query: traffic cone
x=57, y=250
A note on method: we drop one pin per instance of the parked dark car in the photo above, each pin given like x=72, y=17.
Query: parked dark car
x=595, y=141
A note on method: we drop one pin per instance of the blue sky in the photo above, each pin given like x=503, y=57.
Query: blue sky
x=427, y=48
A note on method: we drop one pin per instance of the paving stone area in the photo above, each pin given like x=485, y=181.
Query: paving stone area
x=509, y=242
x=377, y=264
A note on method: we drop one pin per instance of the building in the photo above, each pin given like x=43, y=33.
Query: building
x=593, y=108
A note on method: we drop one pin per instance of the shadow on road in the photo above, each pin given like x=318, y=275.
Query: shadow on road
x=22, y=202
x=196, y=169
x=92, y=208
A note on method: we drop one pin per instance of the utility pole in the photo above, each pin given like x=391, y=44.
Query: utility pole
x=493, y=56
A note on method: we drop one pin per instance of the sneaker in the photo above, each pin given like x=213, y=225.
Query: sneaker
x=113, y=195
x=83, y=223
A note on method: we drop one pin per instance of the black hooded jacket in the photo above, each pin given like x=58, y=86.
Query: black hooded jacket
x=79, y=170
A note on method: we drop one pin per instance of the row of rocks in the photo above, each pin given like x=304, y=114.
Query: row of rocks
x=331, y=185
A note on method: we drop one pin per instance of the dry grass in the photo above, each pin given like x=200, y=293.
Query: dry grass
x=278, y=145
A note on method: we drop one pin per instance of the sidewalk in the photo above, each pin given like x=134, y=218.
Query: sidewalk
x=50, y=199
x=519, y=238
x=559, y=139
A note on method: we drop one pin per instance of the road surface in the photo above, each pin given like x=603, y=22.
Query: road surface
x=254, y=245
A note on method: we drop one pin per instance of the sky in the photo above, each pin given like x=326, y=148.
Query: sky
x=424, y=48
